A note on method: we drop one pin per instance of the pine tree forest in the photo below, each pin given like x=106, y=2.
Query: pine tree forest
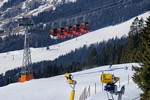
x=142, y=75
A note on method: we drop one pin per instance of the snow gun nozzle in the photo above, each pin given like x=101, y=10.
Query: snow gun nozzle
x=69, y=78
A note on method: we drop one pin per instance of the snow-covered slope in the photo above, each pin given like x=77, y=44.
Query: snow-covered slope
x=45, y=5
x=13, y=59
x=57, y=88
x=2, y=2
x=26, y=8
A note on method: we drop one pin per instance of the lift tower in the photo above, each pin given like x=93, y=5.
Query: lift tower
x=26, y=70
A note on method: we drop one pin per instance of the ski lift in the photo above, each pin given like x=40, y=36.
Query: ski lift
x=60, y=33
x=70, y=31
x=84, y=27
x=74, y=28
x=87, y=27
x=78, y=29
x=66, y=31
x=53, y=34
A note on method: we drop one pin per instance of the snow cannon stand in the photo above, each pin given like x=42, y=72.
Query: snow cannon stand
x=110, y=87
x=72, y=83
x=25, y=77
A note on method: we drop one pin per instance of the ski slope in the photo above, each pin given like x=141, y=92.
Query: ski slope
x=57, y=88
x=45, y=5
x=2, y=2
x=13, y=59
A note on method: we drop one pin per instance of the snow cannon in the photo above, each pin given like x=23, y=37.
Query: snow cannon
x=72, y=83
x=110, y=87
x=109, y=78
x=70, y=78
x=106, y=78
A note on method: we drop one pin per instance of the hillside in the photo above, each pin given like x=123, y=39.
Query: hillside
x=13, y=59
x=12, y=10
x=56, y=88
x=112, y=41
x=99, y=14
x=34, y=7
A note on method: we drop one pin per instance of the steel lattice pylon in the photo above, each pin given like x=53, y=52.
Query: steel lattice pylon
x=26, y=70
x=26, y=63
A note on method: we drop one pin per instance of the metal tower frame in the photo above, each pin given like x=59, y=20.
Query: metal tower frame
x=27, y=62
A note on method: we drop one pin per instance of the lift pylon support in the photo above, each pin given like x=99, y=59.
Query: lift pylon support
x=72, y=83
x=26, y=70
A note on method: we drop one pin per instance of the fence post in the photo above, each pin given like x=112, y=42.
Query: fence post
x=82, y=96
x=89, y=90
x=102, y=86
x=119, y=83
x=84, y=93
x=95, y=88
x=128, y=79
x=79, y=98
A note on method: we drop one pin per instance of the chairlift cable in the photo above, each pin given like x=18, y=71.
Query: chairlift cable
x=89, y=12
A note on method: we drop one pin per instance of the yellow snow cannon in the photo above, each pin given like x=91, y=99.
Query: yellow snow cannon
x=72, y=83
x=106, y=78
x=69, y=78
x=109, y=78
x=111, y=87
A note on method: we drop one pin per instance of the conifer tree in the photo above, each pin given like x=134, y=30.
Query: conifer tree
x=142, y=75
x=92, y=57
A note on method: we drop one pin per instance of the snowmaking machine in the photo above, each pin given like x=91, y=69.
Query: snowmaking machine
x=72, y=83
x=110, y=87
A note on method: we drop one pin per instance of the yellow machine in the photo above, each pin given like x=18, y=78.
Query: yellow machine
x=72, y=84
x=69, y=78
x=106, y=78
x=110, y=86
x=109, y=78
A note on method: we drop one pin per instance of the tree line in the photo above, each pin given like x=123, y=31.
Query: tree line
x=39, y=36
x=106, y=52
x=113, y=51
x=142, y=54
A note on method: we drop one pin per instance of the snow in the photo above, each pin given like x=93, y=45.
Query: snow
x=57, y=88
x=2, y=2
x=24, y=5
x=40, y=9
x=47, y=4
x=13, y=59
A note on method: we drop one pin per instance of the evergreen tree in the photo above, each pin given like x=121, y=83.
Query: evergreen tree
x=92, y=58
x=142, y=75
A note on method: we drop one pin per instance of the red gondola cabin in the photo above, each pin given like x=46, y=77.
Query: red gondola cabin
x=78, y=31
x=70, y=31
x=84, y=28
x=87, y=27
x=60, y=33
